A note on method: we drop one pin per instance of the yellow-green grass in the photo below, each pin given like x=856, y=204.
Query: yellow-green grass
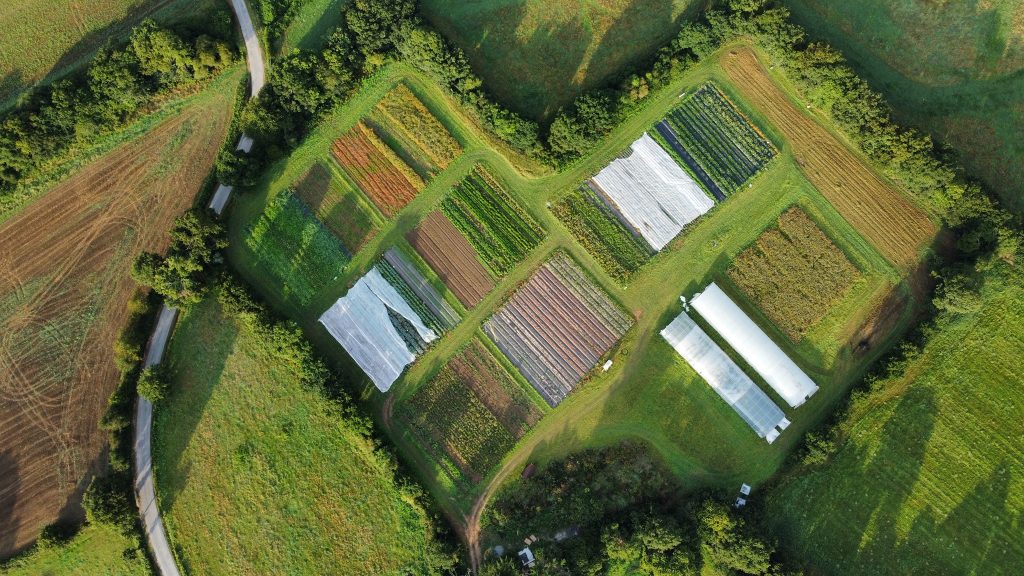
x=950, y=68
x=97, y=550
x=257, y=473
x=311, y=25
x=649, y=393
x=537, y=56
x=930, y=478
x=48, y=38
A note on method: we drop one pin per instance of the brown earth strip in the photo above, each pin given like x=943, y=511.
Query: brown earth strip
x=882, y=214
x=450, y=255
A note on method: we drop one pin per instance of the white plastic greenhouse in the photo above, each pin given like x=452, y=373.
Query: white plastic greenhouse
x=360, y=321
x=724, y=376
x=763, y=354
x=651, y=192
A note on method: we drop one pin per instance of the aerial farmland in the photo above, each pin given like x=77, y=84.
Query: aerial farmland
x=498, y=288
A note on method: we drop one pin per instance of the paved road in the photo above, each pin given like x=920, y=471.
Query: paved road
x=145, y=491
x=257, y=76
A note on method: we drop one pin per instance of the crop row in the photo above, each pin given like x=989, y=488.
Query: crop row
x=414, y=279
x=793, y=273
x=721, y=140
x=375, y=168
x=466, y=409
x=295, y=248
x=340, y=210
x=556, y=327
x=450, y=255
x=430, y=319
x=601, y=232
x=495, y=224
x=403, y=110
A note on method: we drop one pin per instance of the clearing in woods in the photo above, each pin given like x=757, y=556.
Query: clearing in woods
x=64, y=279
x=538, y=56
x=49, y=38
x=877, y=210
x=929, y=476
x=950, y=68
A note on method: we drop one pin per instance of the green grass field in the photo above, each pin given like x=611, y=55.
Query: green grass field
x=950, y=68
x=649, y=393
x=537, y=56
x=48, y=38
x=930, y=479
x=97, y=550
x=256, y=472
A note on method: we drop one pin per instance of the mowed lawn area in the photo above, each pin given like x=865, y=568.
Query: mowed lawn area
x=48, y=38
x=950, y=68
x=96, y=549
x=930, y=479
x=257, y=472
x=536, y=56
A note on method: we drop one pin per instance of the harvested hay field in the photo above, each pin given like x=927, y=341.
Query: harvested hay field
x=64, y=282
x=878, y=211
x=449, y=254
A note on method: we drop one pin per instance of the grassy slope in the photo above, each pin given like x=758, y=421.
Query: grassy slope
x=72, y=30
x=931, y=477
x=97, y=550
x=256, y=473
x=649, y=392
x=954, y=69
x=536, y=56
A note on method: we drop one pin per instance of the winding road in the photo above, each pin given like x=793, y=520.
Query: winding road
x=145, y=491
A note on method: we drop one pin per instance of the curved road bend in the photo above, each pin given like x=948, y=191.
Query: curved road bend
x=145, y=492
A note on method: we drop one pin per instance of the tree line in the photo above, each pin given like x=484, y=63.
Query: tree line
x=115, y=88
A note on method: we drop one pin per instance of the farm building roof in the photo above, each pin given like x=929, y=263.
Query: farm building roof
x=724, y=376
x=360, y=321
x=651, y=192
x=763, y=354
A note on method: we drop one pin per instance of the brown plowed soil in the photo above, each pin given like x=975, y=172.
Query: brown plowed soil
x=64, y=282
x=449, y=254
x=878, y=211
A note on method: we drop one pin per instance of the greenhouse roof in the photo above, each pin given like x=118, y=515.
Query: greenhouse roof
x=361, y=321
x=756, y=348
x=724, y=376
x=651, y=192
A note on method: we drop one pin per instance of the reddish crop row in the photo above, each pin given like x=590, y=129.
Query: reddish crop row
x=376, y=169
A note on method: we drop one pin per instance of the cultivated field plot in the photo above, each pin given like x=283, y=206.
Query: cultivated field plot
x=64, y=281
x=470, y=414
x=599, y=230
x=449, y=254
x=500, y=230
x=794, y=273
x=402, y=110
x=879, y=212
x=556, y=327
x=338, y=205
x=716, y=141
x=753, y=345
x=295, y=248
x=375, y=168
x=383, y=323
x=725, y=377
x=651, y=192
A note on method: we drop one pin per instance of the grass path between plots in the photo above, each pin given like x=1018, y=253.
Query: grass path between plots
x=649, y=392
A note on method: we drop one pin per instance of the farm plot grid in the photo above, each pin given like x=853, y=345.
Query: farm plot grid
x=338, y=205
x=449, y=254
x=717, y=142
x=387, y=319
x=556, y=327
x=403, y=111
x=794, y=273
x=470, y=414
x=599, y=230
x=375, y=168
x=295, y=248
x=500, y=230
x=650, y=192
